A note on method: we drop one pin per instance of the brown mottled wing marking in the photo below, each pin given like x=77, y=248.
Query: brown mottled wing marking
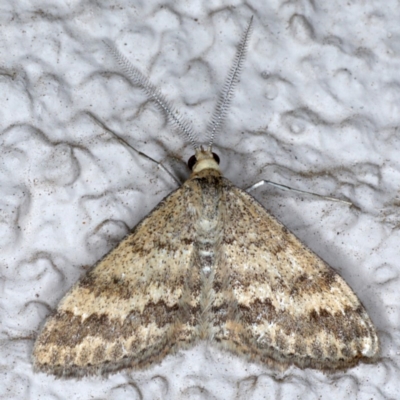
x=280, y=303
x=134, y=306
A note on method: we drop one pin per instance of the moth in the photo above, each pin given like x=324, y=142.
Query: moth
x=209, y=263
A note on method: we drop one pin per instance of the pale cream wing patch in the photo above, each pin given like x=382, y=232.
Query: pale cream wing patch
x=135, y=306
x=281, y=303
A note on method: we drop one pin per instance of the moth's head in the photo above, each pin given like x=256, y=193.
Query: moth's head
x=203, y=159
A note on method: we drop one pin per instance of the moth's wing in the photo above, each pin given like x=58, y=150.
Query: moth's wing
x=281, y=304
x=135, y=306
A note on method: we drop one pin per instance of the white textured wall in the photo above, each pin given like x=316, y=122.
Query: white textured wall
x=317, y=108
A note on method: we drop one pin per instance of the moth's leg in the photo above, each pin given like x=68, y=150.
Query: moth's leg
x=283, y=187
x=159, y=164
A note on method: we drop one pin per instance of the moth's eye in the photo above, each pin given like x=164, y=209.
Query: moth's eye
x=216, y=158
x=191, y=162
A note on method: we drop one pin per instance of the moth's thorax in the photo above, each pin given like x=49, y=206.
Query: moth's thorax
x=207, y=195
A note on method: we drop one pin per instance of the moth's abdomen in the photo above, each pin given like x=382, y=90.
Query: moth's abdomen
x=207, y=195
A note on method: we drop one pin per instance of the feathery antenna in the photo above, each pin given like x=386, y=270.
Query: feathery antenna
x=227, y=92
x=165, y=106
x=153, y=94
